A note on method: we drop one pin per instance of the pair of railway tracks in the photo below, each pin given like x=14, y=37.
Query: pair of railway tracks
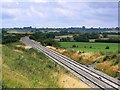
x=98, y=80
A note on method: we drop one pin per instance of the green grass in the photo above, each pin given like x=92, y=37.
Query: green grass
x=96, y=47
x=27, y=68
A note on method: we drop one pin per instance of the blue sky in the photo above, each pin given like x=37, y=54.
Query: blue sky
x=38, y=13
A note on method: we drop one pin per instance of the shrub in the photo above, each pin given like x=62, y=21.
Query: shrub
x=51, y=42
x=80, y=58
x=118, y=51
x=102, y=53
x=108, y=41
x=84, y=46
x=107, y=47
x=74, y=46
x=107, y=68
x=106, y=58
x=90, y=46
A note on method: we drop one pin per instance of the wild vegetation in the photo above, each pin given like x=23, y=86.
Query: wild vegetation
x=50, y=42
x=27, y=68
x=10, y=38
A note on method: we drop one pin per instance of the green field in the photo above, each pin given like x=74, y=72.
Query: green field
x=95, y=47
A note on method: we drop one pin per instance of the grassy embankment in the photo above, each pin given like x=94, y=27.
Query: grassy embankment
x=27, y=68
x=105, y=60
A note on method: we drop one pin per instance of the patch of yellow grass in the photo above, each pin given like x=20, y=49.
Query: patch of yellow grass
x=25, y=47
x=104, y=65
x=17, y=51
x=13, y=78
x=50, y=47
x=16, y=32
x=34, y=55
x=112, y=71
x=69, y=81
x=108, y=68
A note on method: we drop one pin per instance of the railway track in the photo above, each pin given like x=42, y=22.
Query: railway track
x=92, y=76
x=84, y=67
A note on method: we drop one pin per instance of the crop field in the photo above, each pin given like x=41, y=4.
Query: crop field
x=91, y=47
x=20, y=32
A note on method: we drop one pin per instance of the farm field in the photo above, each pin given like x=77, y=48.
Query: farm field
x=20, y=32
x=91, y=47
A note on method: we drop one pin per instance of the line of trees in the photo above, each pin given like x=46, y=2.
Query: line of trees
x=84, y=37
x=46, y=39
x=10, y=38
x=108, y=41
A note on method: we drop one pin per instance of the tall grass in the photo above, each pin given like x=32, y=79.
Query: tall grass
x=29, y=69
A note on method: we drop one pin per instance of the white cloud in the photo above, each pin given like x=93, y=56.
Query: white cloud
x=39, y=1
x=12, y=12
x=7, y=0
x=64, y=12
x=32, y=11
x=73, y=9
x=59, y=13
x=60, y=1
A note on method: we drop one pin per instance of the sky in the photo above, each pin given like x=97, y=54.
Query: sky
x=58, y=13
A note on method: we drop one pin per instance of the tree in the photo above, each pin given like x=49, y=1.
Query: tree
x=4, y=31
x=83, y=27
x=38, y=36
x=90, y=46
x=74, y=46
x=107, y=47
x=51, y=42
x=81, y=38
x=117, y=28
x=105, y=35
x=50, y=35
x=65, y=39
x=93, y=35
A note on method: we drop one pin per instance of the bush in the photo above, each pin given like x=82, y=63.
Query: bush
x=108, y=41
x=118, y=51
x=90, y=46
x=65, y=39
x=74, y=46
x=107, y=47
x=10, y=38
x=85, y=47
x=51, y=42
x=81, y=38
x=106, y=58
